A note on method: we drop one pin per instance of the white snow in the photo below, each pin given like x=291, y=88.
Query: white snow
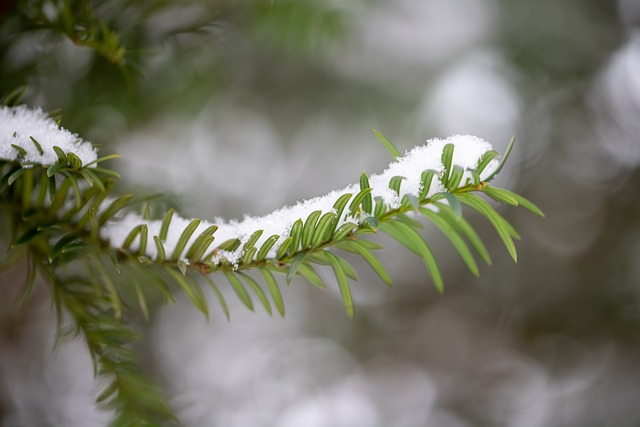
x=467, y=152
x=19, y=124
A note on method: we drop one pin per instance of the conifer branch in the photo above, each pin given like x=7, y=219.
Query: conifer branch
x=65, y=217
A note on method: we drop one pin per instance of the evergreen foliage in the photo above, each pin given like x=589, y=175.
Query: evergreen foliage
x=57, y=213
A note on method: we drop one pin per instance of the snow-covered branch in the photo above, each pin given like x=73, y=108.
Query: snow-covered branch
x=60, y=202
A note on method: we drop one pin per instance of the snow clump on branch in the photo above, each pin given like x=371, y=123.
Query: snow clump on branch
x=467, y=152
x=20, y=126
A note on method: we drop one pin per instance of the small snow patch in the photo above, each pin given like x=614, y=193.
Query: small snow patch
x=18, y=125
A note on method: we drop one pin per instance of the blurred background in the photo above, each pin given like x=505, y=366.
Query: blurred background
x=241, y=107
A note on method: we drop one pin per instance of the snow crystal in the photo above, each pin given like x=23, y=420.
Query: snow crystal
x=467, y=152
x=19, y=124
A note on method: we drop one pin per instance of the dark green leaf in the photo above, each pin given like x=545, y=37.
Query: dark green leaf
x=410, y=201
x=112, y=290
x=74, y=161
x=357, y=201
x=14, y=97
x=61, y=244
x=37, y=145
x=184, y=238
x=454, y=203
x=192, y=289
x=15, y=175
x=5, y=178
x=455, y=239
x=60, y=197
x=229, y=245
x=144, y=231
x=503, y=228
x=309, y=229
x=92, y=179
x=142, y=301
x=258, y=291
x=476, y=177
x=372, y=246
x=324, y=229
x=114, y=208
x=201, y=248
x=94, y=227
x=409, y=221
x=426, y=179
x=507, y=196
x=343, y=283
x=371, y=222
x=29, y=282
x=62, y=157
x=274, y=289
x=395, y=183
x=344, y=230
x=219, y=296
x=95, y=204
x=160, y=249
x=42, y=190
x=87, y=178
x=266, y=247
x=503, y=160
x=164, y=228
x=27, y=236
x=107, y=172
x=27, y=189
x=340, y=204
x=293, y=267
x=154, y=277
x=247, y=256
x=253, y=239
x=21, y=151
x=465, y=228
x=367, y=202
x=380, y=208
x=76, y=190
x=322, y=257
x=357, y=247
x=409, y=238
x=131, y=237
x=447, y=159
x=296, y=236
x=457, y=172
x=512, y=231
x=499, y=195
x=485, y=159
x=146, y=212
x=239, y=289
x=82, y=199
x=388, y=145
x=282, y=250
x=54, y=169
x=202, y=242
x=102, y=159
x=309, y=273
x=75, y=250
